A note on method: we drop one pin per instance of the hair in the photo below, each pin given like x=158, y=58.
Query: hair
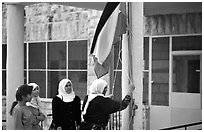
x=23, y=90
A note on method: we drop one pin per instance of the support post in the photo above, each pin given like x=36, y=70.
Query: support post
x=136, y=14
x=15, y=56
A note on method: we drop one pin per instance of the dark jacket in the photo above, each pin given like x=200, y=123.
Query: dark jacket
x=66, y=114
x=100, y=108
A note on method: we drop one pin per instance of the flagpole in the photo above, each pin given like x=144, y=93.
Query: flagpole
x=125, y=81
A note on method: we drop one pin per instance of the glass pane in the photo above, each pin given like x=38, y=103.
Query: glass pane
x=37, y=54
x=187, y=43
x=117, y=60
x=146, y=53
x=117, y=86
x=57, y=55
x=39, y=77
x=4, y=82
x=77, y=54
x=54, y=77
x=4, y=54
x=79, y=80
x=25, y=77
x=160, y=71
x=146, y=88
x=186, y=74
x=25, y=56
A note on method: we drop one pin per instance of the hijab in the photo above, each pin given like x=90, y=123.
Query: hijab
x=35, y=101
x=96, y=89
x=62, y=94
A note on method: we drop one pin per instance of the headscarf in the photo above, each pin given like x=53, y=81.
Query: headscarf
x=96, y=89
x=62, y=94
x=35, y=101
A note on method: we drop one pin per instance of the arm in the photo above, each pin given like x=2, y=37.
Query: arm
x=78, y=110
x=17, y=115
x=114, y=106
x=41, y=116
x=55, y=111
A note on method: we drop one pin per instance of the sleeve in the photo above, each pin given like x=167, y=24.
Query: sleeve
x=78, y=110
x=55, y=111
x=17, y=115
x=41, y=116
x=114, y=106
x=125, y=102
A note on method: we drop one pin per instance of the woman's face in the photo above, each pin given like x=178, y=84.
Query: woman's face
x=105, y=90
x=68, y=87
x=35, y=93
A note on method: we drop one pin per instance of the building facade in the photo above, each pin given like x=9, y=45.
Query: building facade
x=57, y=40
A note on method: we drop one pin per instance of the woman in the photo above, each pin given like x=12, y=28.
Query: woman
x=23, y=117
x=35, y=107
x=97, y=107
x=66, y=107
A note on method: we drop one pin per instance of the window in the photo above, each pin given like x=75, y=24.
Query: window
x=49, y=62
x=117, y=71
x=160, y=71
x=186, y=77
x=146, y=70
x=4, y=54
x=187, y=43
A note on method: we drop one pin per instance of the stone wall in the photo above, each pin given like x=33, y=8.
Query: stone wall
x=188, y=23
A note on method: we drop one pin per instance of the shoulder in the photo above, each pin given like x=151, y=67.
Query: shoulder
x=77, y=98
x=17, y=108
x=105, y=100
x=56, y=99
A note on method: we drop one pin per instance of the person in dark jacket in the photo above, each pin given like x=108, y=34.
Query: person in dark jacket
x=97, y=107
x=66, y=107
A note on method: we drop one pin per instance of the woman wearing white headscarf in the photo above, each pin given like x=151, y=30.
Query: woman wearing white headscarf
x=66, y=107
x=97, y=107
x=36, y=107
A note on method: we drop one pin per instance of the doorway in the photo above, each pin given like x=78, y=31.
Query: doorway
x=172, y=80
x=186, y=106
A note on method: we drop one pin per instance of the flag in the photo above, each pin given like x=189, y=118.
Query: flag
x=104, y=37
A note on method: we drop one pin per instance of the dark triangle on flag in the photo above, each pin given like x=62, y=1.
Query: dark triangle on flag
x=108, y=10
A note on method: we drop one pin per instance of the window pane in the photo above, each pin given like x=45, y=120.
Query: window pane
x=117, y=60
x=3, y=82
x=4, y=54
x=57, y=55
x=37, y=56
x=38, y=77
x=187, y=43
x=25, y=56
x=186, y=77
x=77, y=54
x=160, y=71
x=25, y=77
x=54, y=77
x=79, y=80
x=117, y=86
x=146, y=53
x=145, y=88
